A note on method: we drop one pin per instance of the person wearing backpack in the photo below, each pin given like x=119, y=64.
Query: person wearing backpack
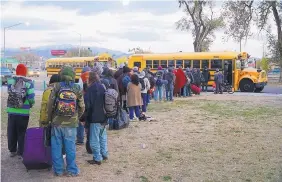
x=205, y=79
x=159, y=84
x=144, y=90
x=65, y=106
x=122, y=81
x=170, y=78
x=43, y=122
x=189, y=80
x=97, y=119
x=20, y=100
x=218, y=78
x=111, y=95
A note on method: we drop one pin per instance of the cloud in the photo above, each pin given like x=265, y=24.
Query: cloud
x=139, y=24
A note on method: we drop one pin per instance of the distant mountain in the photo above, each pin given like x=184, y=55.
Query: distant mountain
x=45, y=51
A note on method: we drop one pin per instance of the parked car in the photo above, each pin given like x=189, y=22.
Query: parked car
x=5, y=74
x=33, y=72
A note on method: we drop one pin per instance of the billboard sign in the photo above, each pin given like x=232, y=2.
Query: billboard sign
x=58, y=52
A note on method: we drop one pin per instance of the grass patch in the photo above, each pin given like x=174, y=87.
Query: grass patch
x=144, y=179
x=168, y=106
x=167, y=178
x=237, y=109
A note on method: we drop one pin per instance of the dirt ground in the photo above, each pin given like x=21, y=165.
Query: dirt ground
x=204, y=138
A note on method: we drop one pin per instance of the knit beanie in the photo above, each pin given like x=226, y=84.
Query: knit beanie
x=54, y=79
x=85, y=76
x=98, y=69
x=135, y=69
x=126, y=69
x=67, y=73
x=85, y=69
x=21, y=70
x=160, y=68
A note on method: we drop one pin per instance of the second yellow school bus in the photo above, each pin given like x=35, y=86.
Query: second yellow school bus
x=243, y=79
x=54, y=65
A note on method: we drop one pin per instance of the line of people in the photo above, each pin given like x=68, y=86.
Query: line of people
x=71, y=108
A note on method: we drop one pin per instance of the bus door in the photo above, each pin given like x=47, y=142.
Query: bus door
x=230, y=72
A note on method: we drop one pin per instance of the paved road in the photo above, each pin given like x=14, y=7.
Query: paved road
x=39, y=85
x=274, y=89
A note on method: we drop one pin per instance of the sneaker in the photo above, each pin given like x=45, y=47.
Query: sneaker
x=92, y=162
x=58, y=175
x=79, y=143
x=72, y=175
x=13, y=154
x=105, y=158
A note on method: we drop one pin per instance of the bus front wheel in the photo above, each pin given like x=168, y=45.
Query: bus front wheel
x=247, y=85
x=259, y=89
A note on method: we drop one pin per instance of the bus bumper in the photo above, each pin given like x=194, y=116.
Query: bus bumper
x=260, y=84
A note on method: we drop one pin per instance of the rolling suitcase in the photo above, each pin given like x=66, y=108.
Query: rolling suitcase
x=36, y=154
x=195, y=89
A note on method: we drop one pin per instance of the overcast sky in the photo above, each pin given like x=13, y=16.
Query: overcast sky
x=117, y=25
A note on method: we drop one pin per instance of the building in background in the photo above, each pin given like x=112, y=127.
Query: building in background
x=10, y=63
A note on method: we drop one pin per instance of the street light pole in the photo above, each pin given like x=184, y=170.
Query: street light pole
x=4, y=39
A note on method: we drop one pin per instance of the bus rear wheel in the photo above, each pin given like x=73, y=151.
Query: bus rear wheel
x=259, y=89
x=247, y=85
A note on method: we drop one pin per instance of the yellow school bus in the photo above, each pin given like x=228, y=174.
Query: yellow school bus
x=54, y=65
x=243, y=79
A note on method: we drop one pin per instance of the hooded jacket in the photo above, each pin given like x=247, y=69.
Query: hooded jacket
x=95, y=103
x=206, y=75
x=67, y=76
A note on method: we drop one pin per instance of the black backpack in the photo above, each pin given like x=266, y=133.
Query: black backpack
x=141, y=80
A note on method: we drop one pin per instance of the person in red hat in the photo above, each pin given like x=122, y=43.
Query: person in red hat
x=20, y=100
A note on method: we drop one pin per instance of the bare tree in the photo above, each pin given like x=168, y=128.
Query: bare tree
x=28, y=59
x=138, y=50
x=201, y=21
x=258, y=12
x=238, y=16
x=75, y=52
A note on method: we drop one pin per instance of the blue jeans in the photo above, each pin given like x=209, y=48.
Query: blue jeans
x=131, y=112
x=111, y=123
x=64, y=136
x=144, y=98
x=148, y=98
x=158, y=92
x=80, y=133
x=98, y=141
x=187, y=90
x=169, y=92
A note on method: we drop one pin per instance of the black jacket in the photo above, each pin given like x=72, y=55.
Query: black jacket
x=206, y=75
x=95, y=103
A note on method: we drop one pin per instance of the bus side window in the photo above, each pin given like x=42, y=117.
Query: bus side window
x=205, y=63
x=187, y=63
x=216, y=64
x=171, y=63
x=155, y=64
x=149, y=63
x=179, y=63
x=163, y=63
x=137, y=64
x=196, y=63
